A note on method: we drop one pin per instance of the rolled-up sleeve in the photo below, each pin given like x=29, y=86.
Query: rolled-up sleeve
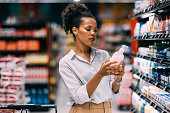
x=77, y=90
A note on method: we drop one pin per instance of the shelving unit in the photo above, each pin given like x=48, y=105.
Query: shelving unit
x=152, y=81
x=152, y=37
x=133, y=110
x=152, y=103
x=22, y=38
x=150, y=58
x=33, y=88
x=31, y=25
x=20, y=52
x=148, y=39
x=151, y=9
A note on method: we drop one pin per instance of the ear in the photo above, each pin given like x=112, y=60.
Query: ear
x=75, y=30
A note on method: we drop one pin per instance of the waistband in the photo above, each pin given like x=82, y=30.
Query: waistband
x=90, y=105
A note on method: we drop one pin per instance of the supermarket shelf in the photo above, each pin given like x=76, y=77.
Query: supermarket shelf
x=152, y=81
x=154, y=104
x=124, y=107
x=152, y=37
x=32, y=107
x=151, y=9
x=35, y=25
x=133, y=110
x=37, y=65
x=20, y=52
x=158, y=60
x=36, y=83
x=22, y=38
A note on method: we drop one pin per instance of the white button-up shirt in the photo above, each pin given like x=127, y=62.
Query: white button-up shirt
x=76, y=72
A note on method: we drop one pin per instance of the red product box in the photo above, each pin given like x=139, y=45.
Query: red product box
x=3, y=45
x=11, y=46
x=34, y=45
x=22, y=45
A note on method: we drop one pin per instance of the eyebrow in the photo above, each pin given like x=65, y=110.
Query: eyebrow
x=90, y=26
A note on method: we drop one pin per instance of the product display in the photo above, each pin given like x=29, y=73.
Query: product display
x=12, y=32
x=12, y=80
x=37, y=58
x=151, y=61
x=36, y=75
x=37, y=95
x=31, y=42
x=21, y=45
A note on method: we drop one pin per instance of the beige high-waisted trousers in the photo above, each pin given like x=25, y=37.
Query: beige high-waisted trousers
x=90, y=107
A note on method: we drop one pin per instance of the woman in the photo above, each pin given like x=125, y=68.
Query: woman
x=86, y=71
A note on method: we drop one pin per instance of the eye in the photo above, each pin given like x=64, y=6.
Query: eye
x=88, y=29
x=95, y=30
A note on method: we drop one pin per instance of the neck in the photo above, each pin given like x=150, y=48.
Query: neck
x=84, y=50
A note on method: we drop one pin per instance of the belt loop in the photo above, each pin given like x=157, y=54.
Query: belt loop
x=89, y=105
x=103, y=105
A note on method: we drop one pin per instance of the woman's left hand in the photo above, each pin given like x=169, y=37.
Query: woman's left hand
x=120, y=72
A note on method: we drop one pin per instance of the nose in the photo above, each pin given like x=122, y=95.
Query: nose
x=93, y=33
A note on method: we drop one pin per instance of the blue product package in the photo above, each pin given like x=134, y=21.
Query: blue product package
x=141, y=23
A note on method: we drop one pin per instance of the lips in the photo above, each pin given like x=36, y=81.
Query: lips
x=92, y=39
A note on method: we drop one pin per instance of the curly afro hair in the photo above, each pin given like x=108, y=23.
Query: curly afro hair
x=72, y=15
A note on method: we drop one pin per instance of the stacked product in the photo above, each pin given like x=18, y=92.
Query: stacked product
x=21, y=45
x=36, y=75
x=11, y=32
x=37, y=95
x=151, y=59
x=12, y=82
x=155, y=25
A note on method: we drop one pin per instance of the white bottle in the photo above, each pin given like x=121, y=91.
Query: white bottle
x=118, y=56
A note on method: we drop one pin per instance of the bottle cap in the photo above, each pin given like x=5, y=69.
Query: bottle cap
x=122, y=49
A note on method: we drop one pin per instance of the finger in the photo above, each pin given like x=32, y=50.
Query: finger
x=116, y=67
x=122, y=64
x=107, y=60
x=120, y=74
x=110, y=63
x=121, y=69
x=113, y=69
x=109, y=68
x=109, y=72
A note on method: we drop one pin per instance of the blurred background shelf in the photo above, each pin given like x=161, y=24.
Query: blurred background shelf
x=152, y=81
x=20, y=52
x=28, y=25
x=160, y=108
x=152, y=37
x=145, y=13
x=22, y=38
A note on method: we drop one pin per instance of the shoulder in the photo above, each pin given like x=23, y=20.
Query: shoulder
x=101, y=52
x=66, y=59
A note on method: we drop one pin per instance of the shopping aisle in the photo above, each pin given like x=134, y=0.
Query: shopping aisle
x=62, y=97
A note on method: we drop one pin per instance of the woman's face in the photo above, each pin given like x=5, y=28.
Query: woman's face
x=87, y=31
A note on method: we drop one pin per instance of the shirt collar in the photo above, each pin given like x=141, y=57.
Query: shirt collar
x=72, y=54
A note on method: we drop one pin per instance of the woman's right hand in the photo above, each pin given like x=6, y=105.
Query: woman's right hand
x=108, y=69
